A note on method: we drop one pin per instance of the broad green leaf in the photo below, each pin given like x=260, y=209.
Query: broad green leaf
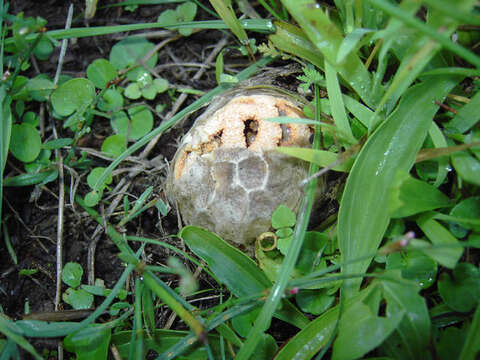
x=411, y=336
x=25, y=142
x=235, y=269
x=100, y=72
x=409, y=196
x=232, y=267
x=363, y=216
x=462, y=293
x=131, y=52
x=450, y=253
x=467, y=166
x=72, y=274
x=186, y=12
x=415, y=266
x=161, y=85
x=89, y=343
x=361, y=331
x=315, y=302
x=73, y=95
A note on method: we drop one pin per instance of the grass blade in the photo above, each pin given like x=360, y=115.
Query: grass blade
x=225, y=11
x=472, y=342
x=337, y=106
x=431, y=32
x=363, y=218
x=328, y=39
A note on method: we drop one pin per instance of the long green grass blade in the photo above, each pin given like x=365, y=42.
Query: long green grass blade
x=292, y=40
x=11, y=331
x=328, y=39
x=431, y=32
x=225, y=11
x=363, y=218
x=337, y=107
x=471, y=346
x=260, y=25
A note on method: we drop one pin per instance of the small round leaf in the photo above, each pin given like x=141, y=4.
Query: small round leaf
x=25, y=142
x=132, y=91
x=72, y=95
x=78, y=298
x=283, y=217
x=95, y=174
x=100, y=72
x=111, y=100
x=132, y=51
x=114, y=145
x=72, y=274
x=92, y=198
x=161, y=85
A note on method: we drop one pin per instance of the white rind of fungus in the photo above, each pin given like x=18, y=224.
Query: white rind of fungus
x=227, y=176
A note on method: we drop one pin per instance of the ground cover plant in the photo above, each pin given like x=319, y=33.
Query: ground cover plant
x=94, y=101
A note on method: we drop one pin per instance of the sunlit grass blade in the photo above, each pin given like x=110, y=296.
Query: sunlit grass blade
x=337, y=107
x=327, y=38
x=226, y=13
x=291, y=39
x=363, y=218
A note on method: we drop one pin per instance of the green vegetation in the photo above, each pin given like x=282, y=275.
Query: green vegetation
x=393, y=275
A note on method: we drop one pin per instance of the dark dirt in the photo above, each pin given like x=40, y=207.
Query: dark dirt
x=31, y=212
